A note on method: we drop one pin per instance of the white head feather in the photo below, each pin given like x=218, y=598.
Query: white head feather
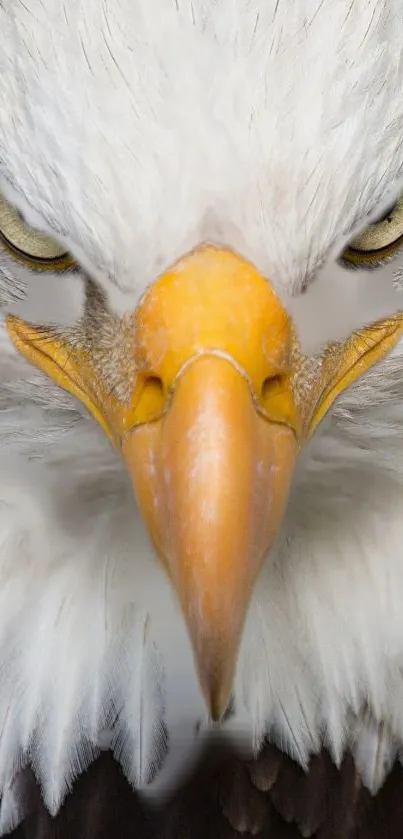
x=133, y=132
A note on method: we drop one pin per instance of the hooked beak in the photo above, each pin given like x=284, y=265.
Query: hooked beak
x=210, y=433
x=212, y=471
x=211, y=478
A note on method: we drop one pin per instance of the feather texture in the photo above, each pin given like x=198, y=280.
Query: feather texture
x=226, y=798
x=133, y=132
x=84, y=606
x=136, y=131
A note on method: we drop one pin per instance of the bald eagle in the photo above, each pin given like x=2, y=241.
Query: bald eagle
x=201, y=418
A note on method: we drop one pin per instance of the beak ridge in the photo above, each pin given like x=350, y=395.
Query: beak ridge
x=211, y=478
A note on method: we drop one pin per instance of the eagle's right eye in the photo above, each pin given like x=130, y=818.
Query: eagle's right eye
x=27, y=245
x=379, y=242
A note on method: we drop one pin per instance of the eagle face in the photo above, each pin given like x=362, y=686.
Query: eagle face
x=200, y=349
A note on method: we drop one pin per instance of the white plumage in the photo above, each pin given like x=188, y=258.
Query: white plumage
x=133, y=132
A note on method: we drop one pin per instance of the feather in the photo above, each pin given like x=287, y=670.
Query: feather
x=84, y=607
x=112, y=116
x=221, y=801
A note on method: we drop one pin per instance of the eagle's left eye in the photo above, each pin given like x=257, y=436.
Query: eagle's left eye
x=379, y=242
x=27, y=245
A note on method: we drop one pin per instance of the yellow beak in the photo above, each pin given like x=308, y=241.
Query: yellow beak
x=211, y=465
x=211, y=478
x=211, y=431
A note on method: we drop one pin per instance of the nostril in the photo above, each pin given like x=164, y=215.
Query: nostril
x=155, y=384
x=272, y=386
x=151, y=399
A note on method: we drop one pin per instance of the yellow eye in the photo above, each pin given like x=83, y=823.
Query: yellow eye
x=379, y=241
x=27, y=245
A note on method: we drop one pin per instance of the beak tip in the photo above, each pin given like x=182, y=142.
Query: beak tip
x=217, y=690
x=217, y=709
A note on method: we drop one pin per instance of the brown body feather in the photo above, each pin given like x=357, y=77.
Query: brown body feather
x=226, y=798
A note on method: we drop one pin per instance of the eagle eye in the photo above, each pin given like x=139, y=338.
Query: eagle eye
x=379, y=242
x=29, y=246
